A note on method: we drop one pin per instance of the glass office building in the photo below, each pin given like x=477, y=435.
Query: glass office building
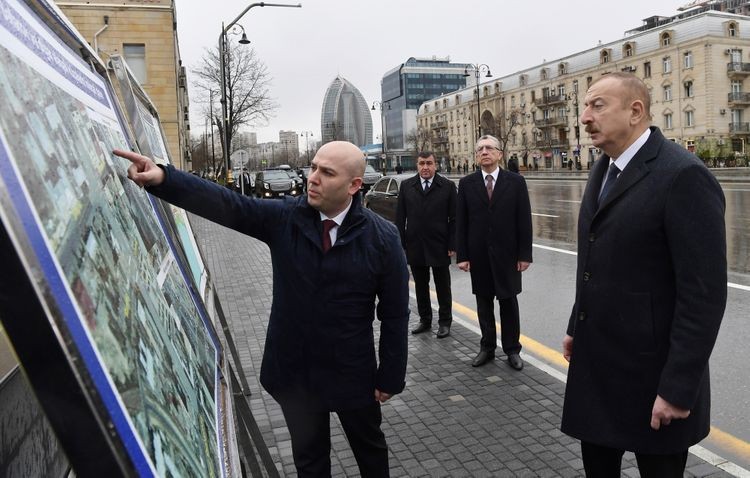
x=407, y=86
x=345, y=115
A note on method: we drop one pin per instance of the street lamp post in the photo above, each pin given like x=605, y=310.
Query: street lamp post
x=577, y=127
x=477, y=72
x=223, y=73
x=307, y=135
x=382, y=106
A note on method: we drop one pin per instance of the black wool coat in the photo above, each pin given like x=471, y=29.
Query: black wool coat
x=651, y=288
x=320, y=331
x=494, y=235
x=426, y=221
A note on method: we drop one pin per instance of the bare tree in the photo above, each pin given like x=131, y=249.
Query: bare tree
x=419, y=139
x=514, y=118
x=249, y=101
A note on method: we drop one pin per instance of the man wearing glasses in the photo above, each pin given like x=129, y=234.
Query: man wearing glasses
x=493, y=243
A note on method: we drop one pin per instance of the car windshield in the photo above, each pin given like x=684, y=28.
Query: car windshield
x=292, y=174
x=369, y=169
x=271, y=175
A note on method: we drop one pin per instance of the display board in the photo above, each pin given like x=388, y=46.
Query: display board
x=88, y=250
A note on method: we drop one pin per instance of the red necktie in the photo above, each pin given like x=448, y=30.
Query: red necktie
x=490, y=179
x=328, y=224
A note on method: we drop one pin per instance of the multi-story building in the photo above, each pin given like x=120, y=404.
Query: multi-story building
x=403, y=89
x=145, y=34
x=696, y=65
x=345, y=115
x=289, y=146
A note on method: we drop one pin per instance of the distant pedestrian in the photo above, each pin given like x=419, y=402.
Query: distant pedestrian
x=332, y=260
x=651, y=288
x=493, y=243
x=426, y=220
x=399, y=168
x=513, y=165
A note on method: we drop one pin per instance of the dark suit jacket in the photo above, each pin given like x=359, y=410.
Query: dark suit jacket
x=320, y=332
x=427, y=220
x=651, y=288
x=495, y=235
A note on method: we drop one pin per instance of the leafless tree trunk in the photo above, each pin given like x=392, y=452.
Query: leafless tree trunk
x=249, y=102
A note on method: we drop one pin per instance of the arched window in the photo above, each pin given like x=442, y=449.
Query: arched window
x=665, y=39
x=562, y=69
x=628, y=49
x=604, y=56
x=732, y=29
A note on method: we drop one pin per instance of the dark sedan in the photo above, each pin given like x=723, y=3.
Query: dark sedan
x=382, y=198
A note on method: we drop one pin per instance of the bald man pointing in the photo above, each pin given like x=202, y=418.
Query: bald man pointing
x=331, y=260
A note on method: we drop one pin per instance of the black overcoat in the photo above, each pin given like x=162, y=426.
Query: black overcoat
x=494, y=235
x=320, y=331
x=651, y=289
x=426, y=221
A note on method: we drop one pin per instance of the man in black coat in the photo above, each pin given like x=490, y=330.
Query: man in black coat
x=493, y=243
x=332, y=259
x=651, y=288
x=426, y=220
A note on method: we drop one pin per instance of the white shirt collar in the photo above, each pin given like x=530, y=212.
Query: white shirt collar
x=338, y=219
x=628, y=154
x=493, y=174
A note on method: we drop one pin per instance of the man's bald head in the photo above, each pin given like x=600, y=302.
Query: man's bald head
x=351, y=158
x=336, y=175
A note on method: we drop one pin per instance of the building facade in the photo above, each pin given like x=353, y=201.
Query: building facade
x=696, y=65
x=289, y=146
x=144, y=32
x=345, y=115
x=403, y=89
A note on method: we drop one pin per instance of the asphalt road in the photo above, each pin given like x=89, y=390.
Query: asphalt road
x=549, y=289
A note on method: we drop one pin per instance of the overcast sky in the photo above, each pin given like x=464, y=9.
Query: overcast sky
x=306, y=48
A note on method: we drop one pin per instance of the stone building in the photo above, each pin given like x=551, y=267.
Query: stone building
x=695, y=64
x=144, y=32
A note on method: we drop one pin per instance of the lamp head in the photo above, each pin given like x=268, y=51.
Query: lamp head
x=488, y=75
x=244, y=40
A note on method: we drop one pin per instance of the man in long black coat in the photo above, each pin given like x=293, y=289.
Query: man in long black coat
x=651, y=289
x=426, y=221
x=493, y=243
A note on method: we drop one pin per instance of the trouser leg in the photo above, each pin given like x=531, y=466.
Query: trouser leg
x=442, y=277
x=486, y=314
x=362, y=429
x=601, y=461
x=421, y=275
x=510, y=327
x=662, y=466
x=310, y=432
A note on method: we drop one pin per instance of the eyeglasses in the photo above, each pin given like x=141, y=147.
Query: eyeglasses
x=487, y=147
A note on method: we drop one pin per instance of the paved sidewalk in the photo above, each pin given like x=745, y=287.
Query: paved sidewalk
x=452, y=419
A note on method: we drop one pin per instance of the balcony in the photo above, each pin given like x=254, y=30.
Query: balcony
x=439, y=140
x=439, y=125
x=738, y=70
x=550, y=100
x=738, y=98
x=552, y=143
x=739, y=128
x=547, y=122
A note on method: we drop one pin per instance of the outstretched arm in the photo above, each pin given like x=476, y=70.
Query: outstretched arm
x=143, y=171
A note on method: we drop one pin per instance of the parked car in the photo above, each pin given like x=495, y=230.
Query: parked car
x=382, y=198
x=369, y=178
x=274, y=183
x=304, y=173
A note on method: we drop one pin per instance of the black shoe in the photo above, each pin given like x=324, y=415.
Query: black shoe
x=422, y=327
x=514, y=360
x=443, y=331
x=483, y=357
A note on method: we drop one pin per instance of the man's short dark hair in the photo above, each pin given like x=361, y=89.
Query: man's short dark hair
x=425, y=154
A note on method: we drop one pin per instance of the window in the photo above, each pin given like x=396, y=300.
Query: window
x=736, y=86
x=543, y=74
x=561, y=111
x=522, y=80
x=604, y=56
x=689, y=91
x=647, y=69
x=627, y=50
x=668, y=121
x=667, y=92
x=666, y=64
x=458, y=99
x=135, y=56
x=666, y=39
x=513, y=101
x=562, y=69
x=732, y=29
x=561, y=90
x=689, y=121
x=523, y=100
x=687, y=59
